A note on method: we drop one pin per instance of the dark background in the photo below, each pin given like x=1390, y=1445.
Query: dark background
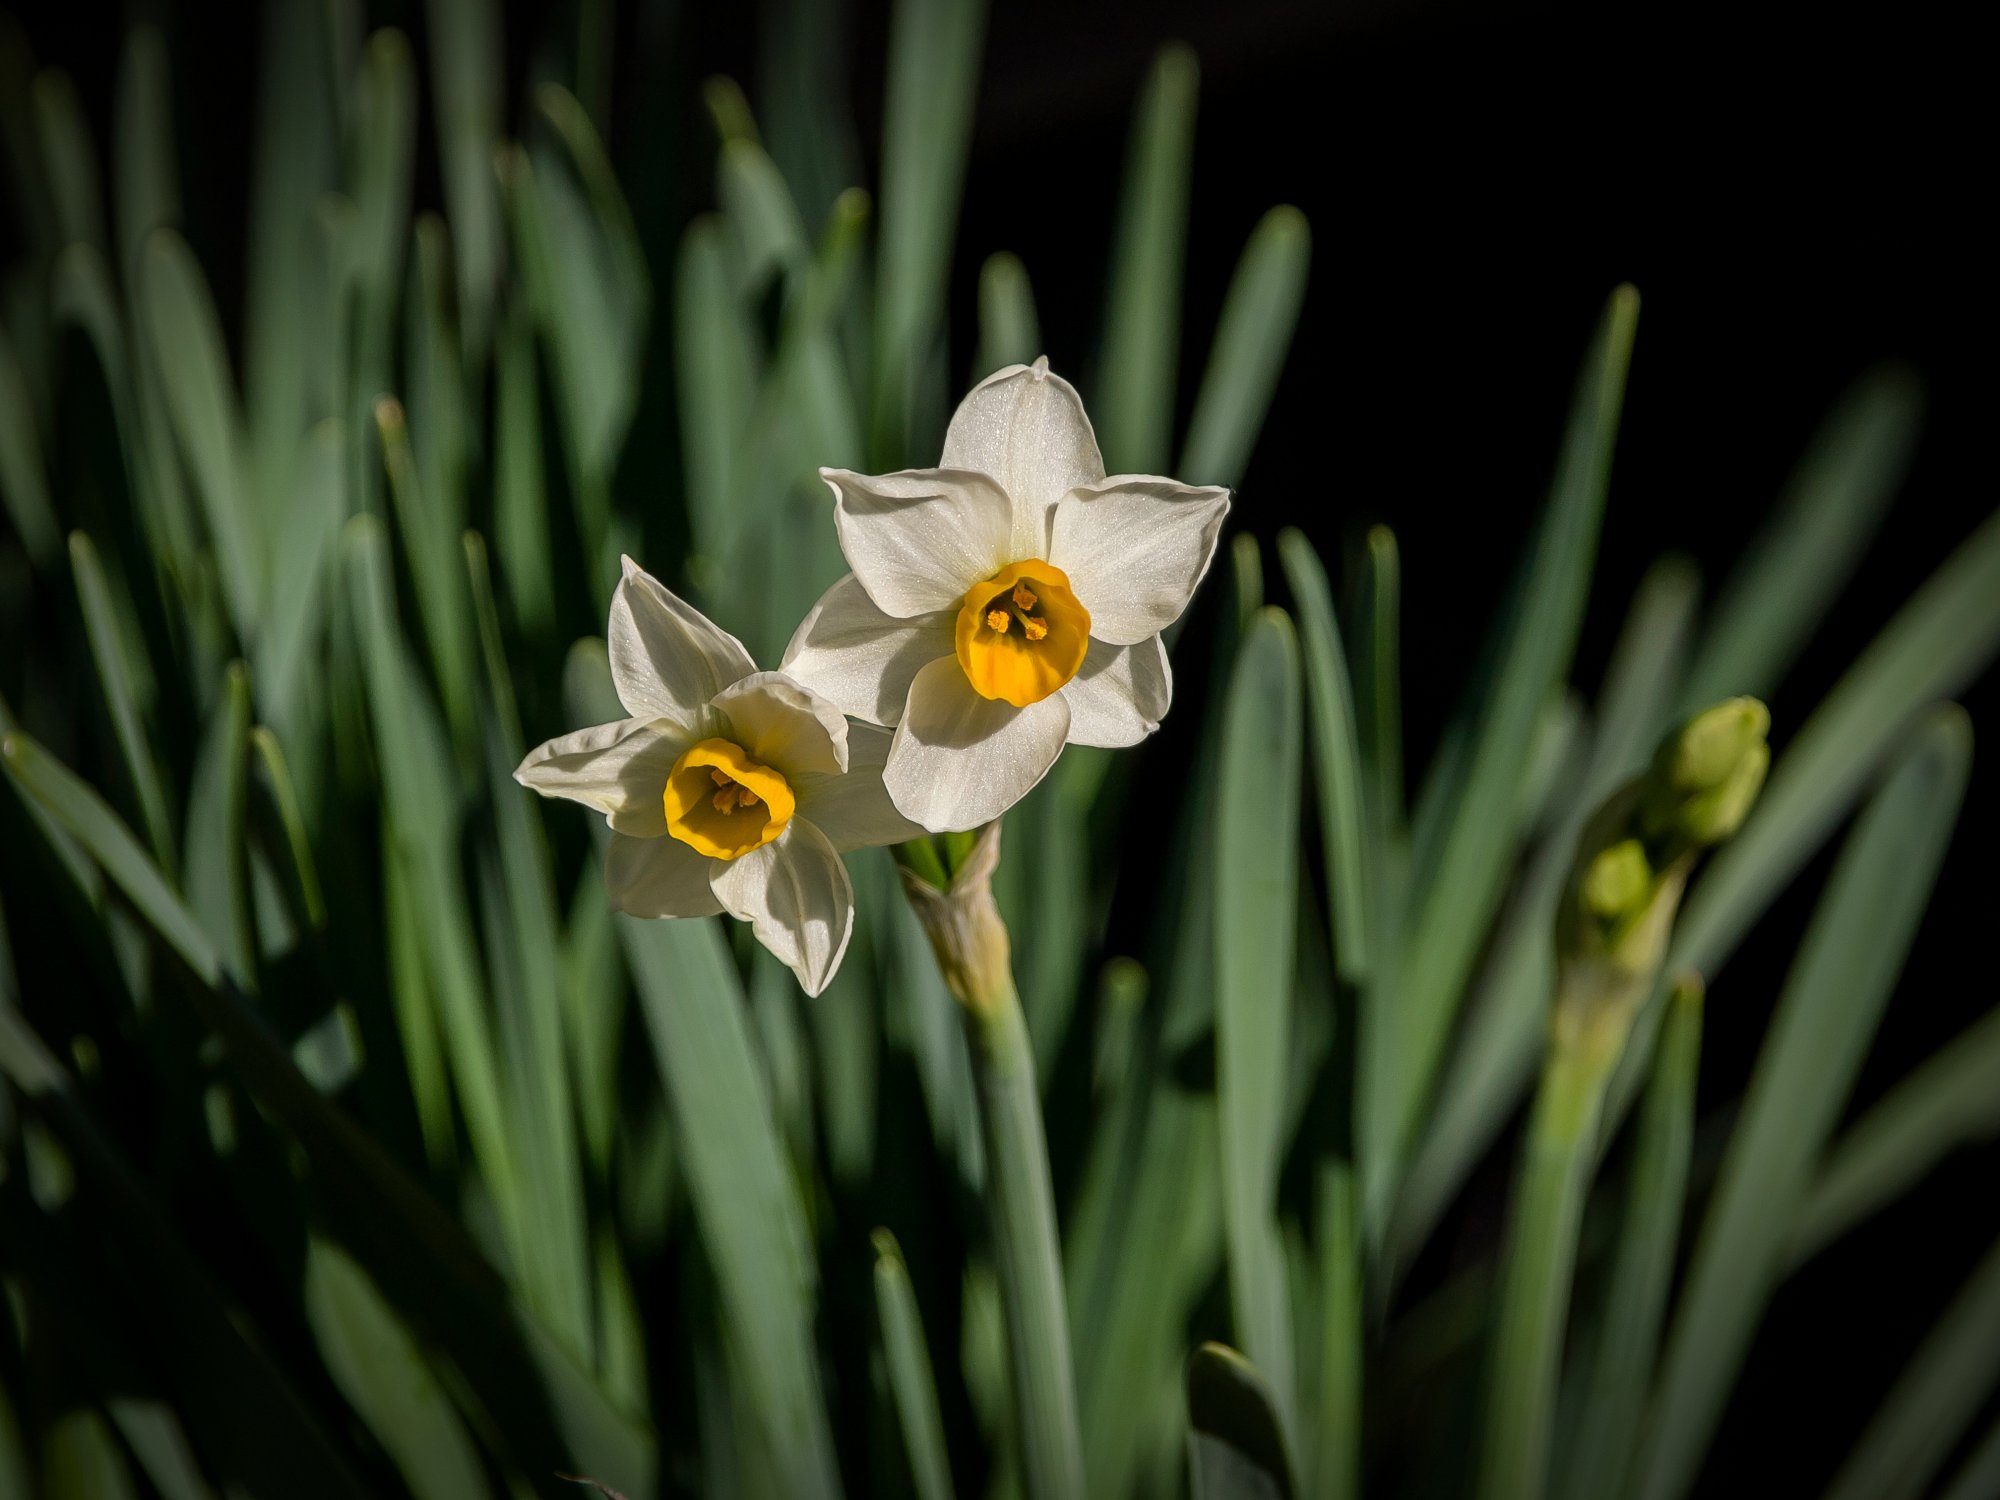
x=1796, y=199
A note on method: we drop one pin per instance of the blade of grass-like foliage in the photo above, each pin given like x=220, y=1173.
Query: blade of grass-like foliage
x=295, y=156
x=434, y=379
x=382, y=1373
x=82, y=1460
x=1617, y=1366
x=1134, y=406
x=192, y=366
x=715, y=363
x=467, y=71
x=1495, y=1057
x=418, y=1022
x=539, y=1404
x=1009, y=331
x=1146, y=1240
x=156, y=1439
x=520, y=487
x=382, y=106
x=590, y=323
x=1236, y=1445
x=910, y=1378
x=745, y=1203
x=1258, y=318
x=237, y=1398
x=531, y=1030
x=1344, y=833
x=301, y=570
x=1939, y=1392
x=115, y=677
x=437, y=567
x=17, y=134
x=1833, y=1000
x=1939, y=641
x=284, y=797
x=594, y=981
x=769, y=237
x=803, y=100
x=421, y=803
x=1335, y=1433
x=13, y=1451
x=1793, y=571
x=69, y=159
x=217, y=873
x=1256, y=905
x=1379, y=675
x=144, y=178
x=1978, y=1479
x=83, y=875
x=24, y=480
x=745, y=1198
x=1946, y=1101
x=934, y=48
x=1455, y=900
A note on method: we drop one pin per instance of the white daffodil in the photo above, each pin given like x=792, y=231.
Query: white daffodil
x=729, y=789
x=1006, y=603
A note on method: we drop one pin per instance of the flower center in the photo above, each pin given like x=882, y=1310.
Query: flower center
x=1022, y=634
x=722, y=803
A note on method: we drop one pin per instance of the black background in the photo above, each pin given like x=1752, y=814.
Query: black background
x=1797, y=198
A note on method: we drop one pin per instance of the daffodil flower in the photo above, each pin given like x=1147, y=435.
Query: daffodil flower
x=1006, y=603
x=728, y=789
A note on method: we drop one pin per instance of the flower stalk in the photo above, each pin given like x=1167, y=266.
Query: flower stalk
x=1632, y=865
x=970, y=939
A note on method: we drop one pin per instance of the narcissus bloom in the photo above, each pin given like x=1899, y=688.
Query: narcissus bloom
x=1006, y=603
x=729, y=789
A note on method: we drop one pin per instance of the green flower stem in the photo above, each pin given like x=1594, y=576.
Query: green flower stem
x=971, y=943
x=1541, y=1258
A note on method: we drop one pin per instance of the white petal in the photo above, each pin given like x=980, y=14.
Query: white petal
x=960, y=760
x=668, y=658
x=620, y=769
x=659, y=877
x=1134, y=548
x=1121, y=694
x=785, y=725
x=862, y=659
x=854, y=810
x=795, y=895
x=919, y=539
x=1026, y=428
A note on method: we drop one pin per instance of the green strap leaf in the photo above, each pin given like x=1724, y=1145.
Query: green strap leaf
x=1946, y=1101
x=1345, y=834
x=1942, y=1389
x=934, y=48
x=382, y=1373
x=910, y=1379
x=1791, y=574
x=1614, y=1372
x=114, y=675
x=1134, y=408
x=1259, y=316
x=1454, y=898
x=1236, y=1446
x=1009, y=331
x=1833, y=1000
x=1256, y=907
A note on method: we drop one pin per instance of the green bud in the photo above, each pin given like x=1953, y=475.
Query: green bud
x=1714, y=815
x=1711, y=747
x=1618, y=881
x=1705, y=777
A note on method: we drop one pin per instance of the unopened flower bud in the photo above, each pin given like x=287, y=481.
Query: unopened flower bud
x=1618, y=881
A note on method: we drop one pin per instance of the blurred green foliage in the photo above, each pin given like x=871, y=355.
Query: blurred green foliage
x=334, y=1160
